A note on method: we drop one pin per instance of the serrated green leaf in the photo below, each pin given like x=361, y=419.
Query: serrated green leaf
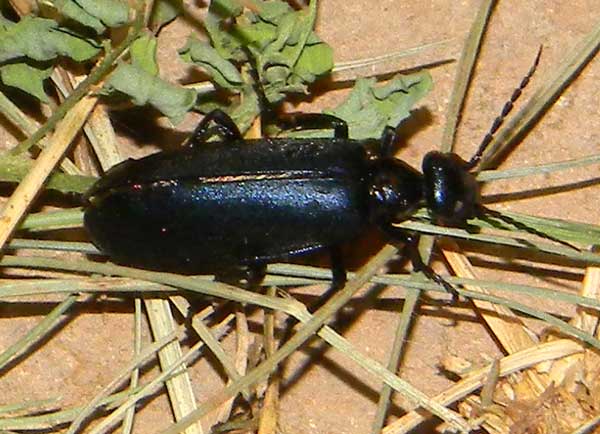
x=42, y=39
x=226, y=45
x=143, y=88
x=96, y=14
x=273, y=11
x=258, y=34
x=113, y=13
x=164, y=12
x=143, y=54
x=223, y=72
x=369, y=107
x=28, y=78
x=315, y=60
x=247, y=110
x=279, y=38
x=72, y=10
x=226, y=8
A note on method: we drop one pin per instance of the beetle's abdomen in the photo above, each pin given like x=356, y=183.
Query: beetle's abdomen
x=191, y=225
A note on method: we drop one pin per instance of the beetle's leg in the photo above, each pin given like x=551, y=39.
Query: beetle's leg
x=255, y=274
x=411, y=249
x=314, y=121
x=223, y=123
x=338, y=268
x=247, y=276
x=389, y=137
x=338, y=271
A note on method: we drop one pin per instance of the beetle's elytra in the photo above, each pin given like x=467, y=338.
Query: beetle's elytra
x=240, y=203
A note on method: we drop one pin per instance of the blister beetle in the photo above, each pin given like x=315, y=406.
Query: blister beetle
x=214, y=205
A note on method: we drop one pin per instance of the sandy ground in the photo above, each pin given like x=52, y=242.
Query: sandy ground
x=332, y=395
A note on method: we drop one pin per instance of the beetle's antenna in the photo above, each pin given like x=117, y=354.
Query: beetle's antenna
x=487, y=212
x=508, y=106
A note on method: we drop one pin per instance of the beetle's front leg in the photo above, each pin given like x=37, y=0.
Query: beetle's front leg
x=223, y=123
x=411, y=249
x=314, y=121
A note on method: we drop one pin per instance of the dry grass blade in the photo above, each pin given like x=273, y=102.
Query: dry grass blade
x=506, y=326
x=149, y=351
x=465, y=67
x=312, y=325
x=27, y=191
x=145, y=391
x=474, y=380
x=179, y=387
x=38, y=333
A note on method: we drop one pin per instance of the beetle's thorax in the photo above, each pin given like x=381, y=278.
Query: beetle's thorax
x=451, y=191
x=395, y=190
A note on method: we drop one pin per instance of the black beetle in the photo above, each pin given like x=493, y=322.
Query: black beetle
x=214, y=205
x=211, y=205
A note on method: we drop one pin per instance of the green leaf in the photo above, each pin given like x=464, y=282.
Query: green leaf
x=223, y=72
x=272, y=12
x=70, y=9
x=164, y=12
x=29, y=79
x=15, y=168
x=369, y=107
x=289, y=55
x=258, y=34
x=143, y=54
x=96, y=14
x=5, y=23
x=144, y=88
x=226, y=45
x=246, y=111
x=226, y=8
x=113, y=13
x=315, y=60
x=42, y=39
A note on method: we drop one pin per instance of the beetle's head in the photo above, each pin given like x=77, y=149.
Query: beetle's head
x=451, y=191
x=395, y=190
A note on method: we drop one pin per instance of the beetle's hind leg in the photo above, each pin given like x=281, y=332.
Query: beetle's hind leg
x=255, y=274
x=246, y=276
x=338, y=271
x=223, y=124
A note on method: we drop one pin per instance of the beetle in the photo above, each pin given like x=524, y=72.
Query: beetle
x=243, y=202
x=238, y=202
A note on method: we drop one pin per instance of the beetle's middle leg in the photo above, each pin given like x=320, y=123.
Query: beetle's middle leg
x=338, y=271
x=223, y=123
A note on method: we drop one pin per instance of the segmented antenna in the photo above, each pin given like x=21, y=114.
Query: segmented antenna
x=508, y=106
